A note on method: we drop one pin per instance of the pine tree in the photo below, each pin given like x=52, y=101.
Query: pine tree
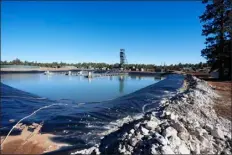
x=217, y=29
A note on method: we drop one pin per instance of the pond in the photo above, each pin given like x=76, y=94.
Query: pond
x=93, y=107
x=77, y=88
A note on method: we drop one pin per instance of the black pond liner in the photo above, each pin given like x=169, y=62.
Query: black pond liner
x=80, y=124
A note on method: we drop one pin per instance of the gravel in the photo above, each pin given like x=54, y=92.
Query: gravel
x=188, y=125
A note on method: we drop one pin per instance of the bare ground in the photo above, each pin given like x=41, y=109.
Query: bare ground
x=223, y=105
x=29, y=142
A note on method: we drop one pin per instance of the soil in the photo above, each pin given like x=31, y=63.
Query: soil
x=223, y=105
x=29, y=142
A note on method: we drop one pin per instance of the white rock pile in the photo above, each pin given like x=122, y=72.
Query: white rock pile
x=187, y=125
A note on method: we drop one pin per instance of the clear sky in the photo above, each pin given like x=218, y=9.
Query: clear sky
x=150, y=32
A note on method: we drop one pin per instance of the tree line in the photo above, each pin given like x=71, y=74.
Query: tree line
x=105, y=65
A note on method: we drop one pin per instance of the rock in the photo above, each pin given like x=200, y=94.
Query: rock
x=158, y=129
x=96, y=152
x=183, y=99
x=153, y=113
x=179, y=127
x=163, y=101
x=137, y=125
x=226, y=151
x=195, y=124
x=153, y=149
x=201, y=138
x=167, y=103
x=151, y=125
x=206, y=145
x=132, y=131
x=189, y=121
x=219, y=142
x=195, y=148
x=122, y=149
x=129, y=149
x=218, y=133
x=144, y=131
x=209, y=127
x=167, y=113
x=200, y=132
x=164, y=125
x=124, y=136
x=183, y=149
x=228, y=135
x=207, y=136
x=219, y=149
x=160, y=139
x=174, y=142
x=167, y=150
x=173, y=116
x=155, y=119
x=129, y=136
x=138, y=135
x=183, y=135
x=91, y=150
x=133, y=141
x=170, y=131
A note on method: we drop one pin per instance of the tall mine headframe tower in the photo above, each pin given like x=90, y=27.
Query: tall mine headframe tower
x=123, y=59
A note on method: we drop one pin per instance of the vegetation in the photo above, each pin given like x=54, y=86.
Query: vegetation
x=102, y=65
x=217, y=29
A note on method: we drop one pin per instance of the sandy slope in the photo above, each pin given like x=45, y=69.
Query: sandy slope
x=30, y=141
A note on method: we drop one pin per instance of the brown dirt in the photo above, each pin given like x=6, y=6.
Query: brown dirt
x=29, y=142
x=223, y=106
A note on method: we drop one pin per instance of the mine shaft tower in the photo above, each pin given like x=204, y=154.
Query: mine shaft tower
x=123, y=59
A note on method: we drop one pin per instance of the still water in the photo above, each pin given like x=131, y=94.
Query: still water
x=77, y=88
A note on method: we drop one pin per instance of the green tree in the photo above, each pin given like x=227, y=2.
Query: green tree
x=217, y=29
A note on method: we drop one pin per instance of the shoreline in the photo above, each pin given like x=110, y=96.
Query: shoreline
x=187, y=124
x=38, y=70
x=43, y=69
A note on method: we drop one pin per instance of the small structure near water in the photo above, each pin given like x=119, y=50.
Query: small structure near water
x=47, y=73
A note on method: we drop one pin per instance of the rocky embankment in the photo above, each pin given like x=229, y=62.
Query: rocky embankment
x=184, y=124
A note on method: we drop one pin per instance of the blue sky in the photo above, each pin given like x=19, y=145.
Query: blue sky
x=150, y=32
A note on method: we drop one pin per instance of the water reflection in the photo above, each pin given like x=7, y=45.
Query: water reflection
x=121, y=84
x=133, y=77
x=89, y=80
x=78, y=88
x=157, y=78
x=20, y=77
x=49, y=77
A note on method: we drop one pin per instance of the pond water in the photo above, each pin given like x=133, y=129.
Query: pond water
x=77, y=88
x=81, y=124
